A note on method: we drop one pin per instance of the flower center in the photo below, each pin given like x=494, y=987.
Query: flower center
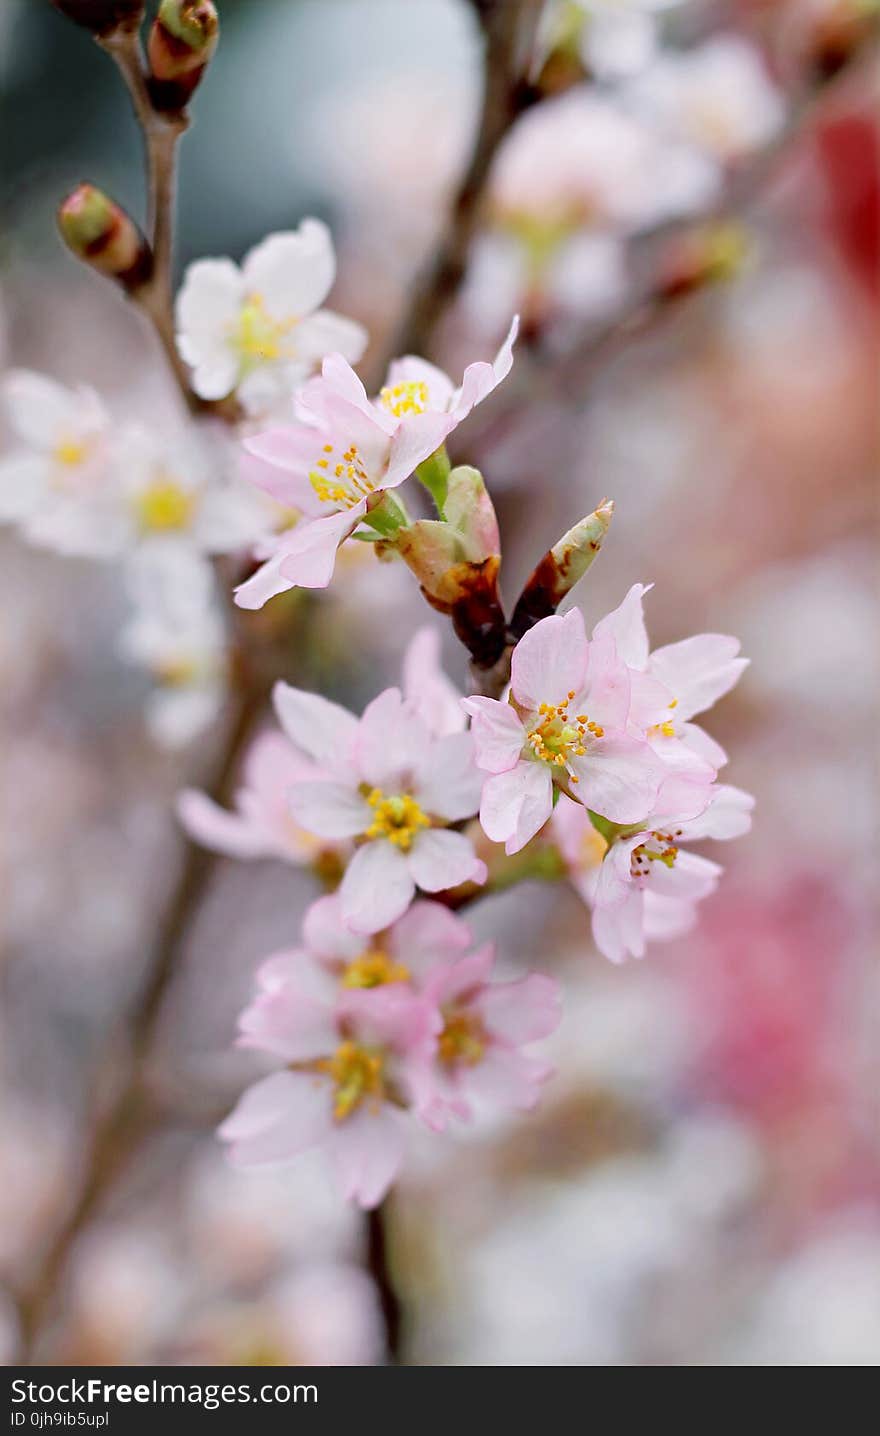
x=175, y=672
x=164, y=505
x=557, y=736
x=339, y=477
x=462, y=1043
x=398, y=818
x=659, y=848
x=667, y=728
x=356, y=1073
x=70, y=453
x=257, y=336
x=374, y=969
x=403, y=399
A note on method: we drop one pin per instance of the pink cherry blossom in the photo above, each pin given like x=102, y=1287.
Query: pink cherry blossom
x=347, y=1080
x=674, y=684
x=648, y=884
x=414, y=386
x=260, y=825
x=479, y=1061
x=394, y=787
x=335, y=464
x=565, y=724
x=427, y=936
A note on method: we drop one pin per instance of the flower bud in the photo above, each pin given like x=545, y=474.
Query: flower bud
x=182, y=41
x=102, y=16
x=456, y=560
x=102, y=235
x=560, y=568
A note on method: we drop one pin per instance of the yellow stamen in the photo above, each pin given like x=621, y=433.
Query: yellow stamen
x=398, y=818
x=70, y=453
x=374, y=969
x=404, y=399
x=558, y=736
x=257, y=336
x=462, y=1041
x=357, y=1075
x=164, y=505
x=352, y=482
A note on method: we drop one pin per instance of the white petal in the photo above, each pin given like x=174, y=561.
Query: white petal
x=441, y=859
x=294, y=271
x=377, y=887
x=324, y=730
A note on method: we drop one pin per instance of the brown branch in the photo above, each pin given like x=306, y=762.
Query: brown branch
x=131, y=1112
x=379, y=1267
x=508, y=30
x=160, y=132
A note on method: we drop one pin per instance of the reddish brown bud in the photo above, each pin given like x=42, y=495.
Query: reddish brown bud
x=102, y=16
x=182, y=41
x=102, y=235
x=560, y=569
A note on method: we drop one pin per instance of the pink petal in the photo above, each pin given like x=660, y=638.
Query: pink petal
x=522, y=1011
x=517, y=804
x=626, y=625
x=607, y=691
x=291, y=1021
x=391, y=742
x=426, y=688
x=727, y=815
x=331, y=810
x=619, y=931
x=416, y=439
x=266, y=583
x=277, y=1118
x=428, y=934
x=377, y=887
x=698, y=671
x=215, y=828
x=324, y=730
x=440, y=859
x=308, y=558
x=325, y=932
x=550, y=660
x=448, y=782
x=690, y=878
x=367, y=1151
x=619, y=778
x=481, y=378
x=498, y=733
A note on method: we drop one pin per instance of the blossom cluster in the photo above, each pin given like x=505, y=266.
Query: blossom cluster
x=593, y=753
x=579, y=745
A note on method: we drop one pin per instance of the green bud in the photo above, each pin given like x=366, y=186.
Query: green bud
x=102, y=235
x=561, y=568
x=182, y=41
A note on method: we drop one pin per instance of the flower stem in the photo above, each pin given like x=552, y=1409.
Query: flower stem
x=378, y=1225
x=119, y=1126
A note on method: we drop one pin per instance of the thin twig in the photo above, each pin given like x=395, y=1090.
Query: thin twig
x=161, y=133
x=508, y=28
x=379, y=1267
x=131, y=1113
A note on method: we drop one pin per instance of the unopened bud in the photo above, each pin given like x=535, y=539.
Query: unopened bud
x=560, y=568
x=102, y=17
x=182, y=41
x=456, y=560
x=102, y=235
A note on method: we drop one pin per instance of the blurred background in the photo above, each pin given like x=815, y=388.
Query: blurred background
x=701, y=1185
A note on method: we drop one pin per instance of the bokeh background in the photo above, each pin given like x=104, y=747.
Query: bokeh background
x=701, y=1185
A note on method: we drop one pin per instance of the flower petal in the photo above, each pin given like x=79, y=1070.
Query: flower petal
x=441, y=859
x=498, y=733
x=619, y=778
x=324, y=730
x=626, y=625
x=219, y=830
x=522, y=1011
x=377, y=887
x=331, y=810
x=391, y=742
x=277, y=1118
x=550, y=660
x=448, y=782
x=516, y=804
x=293, y=271
x=367, y=1151
x=698, y=671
